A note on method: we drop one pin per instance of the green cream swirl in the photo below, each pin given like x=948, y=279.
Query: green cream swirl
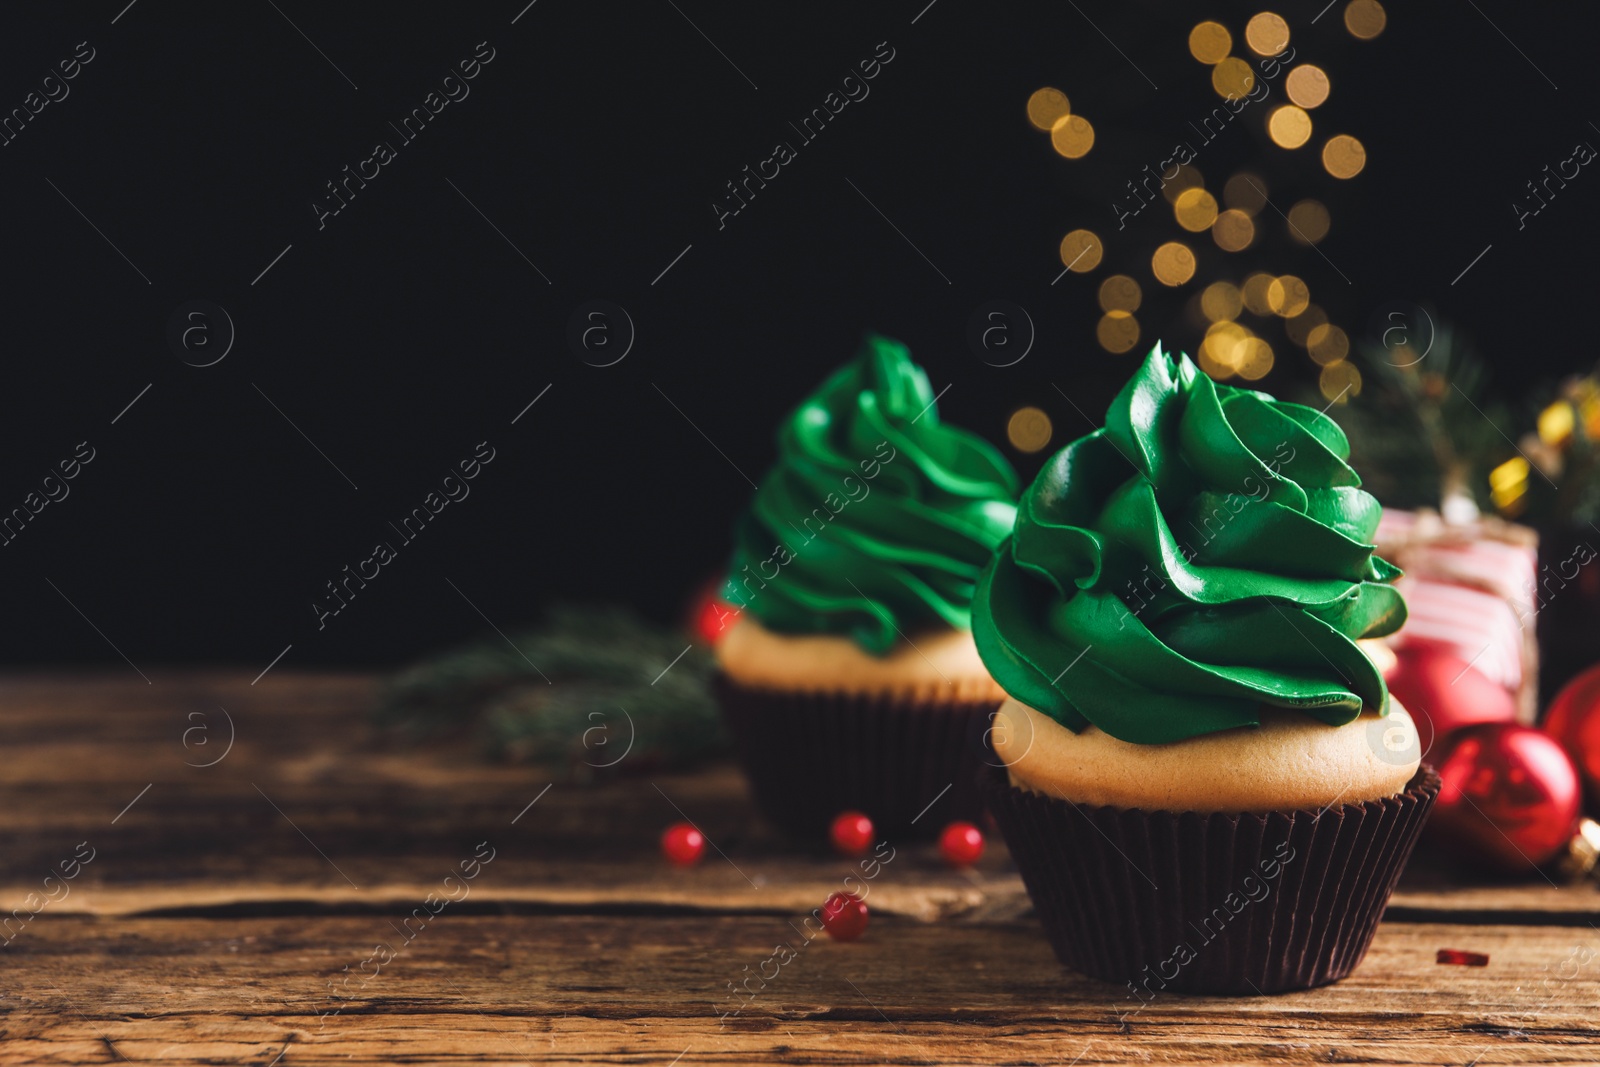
x=1206, y=553
x=877, y=519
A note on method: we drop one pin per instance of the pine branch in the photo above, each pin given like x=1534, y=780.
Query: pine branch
x=589, y=690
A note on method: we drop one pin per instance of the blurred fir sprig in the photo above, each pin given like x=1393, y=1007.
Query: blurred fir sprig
x=584, y=691
x=1427, y=428
x=1424, y=427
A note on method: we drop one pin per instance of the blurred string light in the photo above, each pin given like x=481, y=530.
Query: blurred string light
x=1288, y=296
x=1365, y=18
x=1050, y=110
x=1210, y=42
x=1072, y=136
x=1339, y=381
x=1308, y=222
x=1508, y=485
x=1221, y=302
x=1173, y=263
x=1233, y=231
x=1120, y=293
x=1081, y=251
x=1117, y=331
x=1307, y=85
x=1230, y=348
x=1254, y=293
x=1233, y=78
x=1328, y=344
x=1028, y=429
x=1267, y=34
x=1289, y=126
x=1344, y=156
x=1046, y=106
x=1195, y=209
x=1556, y=424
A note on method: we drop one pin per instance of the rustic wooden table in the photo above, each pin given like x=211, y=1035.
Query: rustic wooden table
x=291, y=903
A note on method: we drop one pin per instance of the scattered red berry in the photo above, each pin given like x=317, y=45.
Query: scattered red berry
x=714, y=619
x=961, y=844
x=844, y=916
x=682, y=844
x=851, y=833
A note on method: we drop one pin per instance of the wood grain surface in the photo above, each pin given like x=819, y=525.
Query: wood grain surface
x=232, y=913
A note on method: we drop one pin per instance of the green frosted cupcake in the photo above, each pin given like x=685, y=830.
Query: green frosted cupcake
x=850, y=679
x=1207, y=786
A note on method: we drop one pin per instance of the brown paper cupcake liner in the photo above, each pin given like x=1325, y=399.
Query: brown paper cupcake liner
x=1209, y=903
x=910, y=765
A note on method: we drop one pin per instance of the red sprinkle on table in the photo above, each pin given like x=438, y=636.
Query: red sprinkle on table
x=1462, y=959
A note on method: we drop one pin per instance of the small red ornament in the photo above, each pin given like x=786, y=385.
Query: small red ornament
x=1574, y=721
x=713, y=619
x=1443, y=693
x=1509, y=795
x=961, y=844
x=683, y=845
x=851, y=833
x=844, y=916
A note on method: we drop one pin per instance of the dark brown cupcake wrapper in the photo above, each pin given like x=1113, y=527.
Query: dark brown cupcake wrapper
x=1170, y=901
x=909, y=765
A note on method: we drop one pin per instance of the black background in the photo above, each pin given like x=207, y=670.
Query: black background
x=408, y=330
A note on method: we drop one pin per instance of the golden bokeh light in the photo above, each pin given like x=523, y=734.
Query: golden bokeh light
x=1046, y=106
x=1195, y=210
x=1081, y=251
x=1289, y=126
x=1072, y=136
x=1120, y=293
x=1211, y=366
x=1508, y=484
x=1556, y=424
x=1186, y=178
x=1307, y=85
x=1221, y=302
x=1328, y=344
x=1222, y=351
x=1233, y=78
x=1255, y=359
x=1267, y=34
x=1308, y=222
x=1338, y=382
x=1210, y=42
x=1117, y=331
x=1344, y=156
x=1300, y=326
x=1254, y=293
x=1173, y=263
x=1233, y=231
x=1365, y=18
x=1288, y=296
x=1245, y=192
x=1028, y=429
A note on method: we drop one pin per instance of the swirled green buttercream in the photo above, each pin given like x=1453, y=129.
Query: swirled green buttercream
x=877, y=518
x=1204, y=554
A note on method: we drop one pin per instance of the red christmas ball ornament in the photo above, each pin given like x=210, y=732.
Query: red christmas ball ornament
x=844, y=916
x=851, y=833
x=1509, y=795
x=961, y=844
x=1574, y=721
x=1443, y=693
x=683, y=845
